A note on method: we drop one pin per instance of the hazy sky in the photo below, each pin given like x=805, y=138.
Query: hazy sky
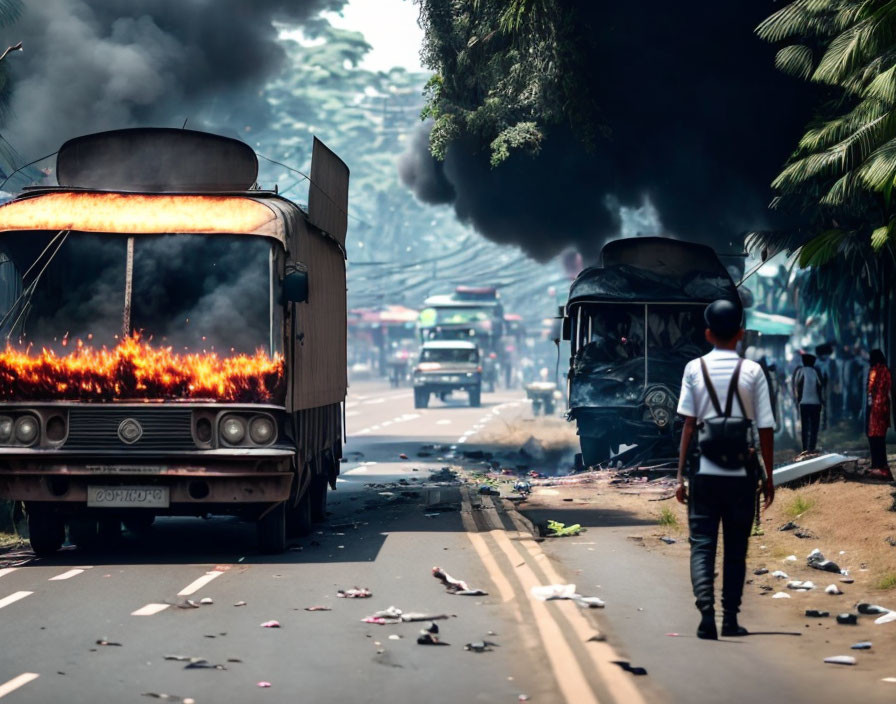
x=389, y=26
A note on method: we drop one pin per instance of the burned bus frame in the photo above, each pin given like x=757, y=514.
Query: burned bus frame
x=633, y=324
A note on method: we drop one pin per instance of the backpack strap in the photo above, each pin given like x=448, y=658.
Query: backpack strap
x=710, y=388
x=734, y=391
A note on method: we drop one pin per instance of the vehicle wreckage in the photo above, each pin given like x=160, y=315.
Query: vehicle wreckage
x=633, y=324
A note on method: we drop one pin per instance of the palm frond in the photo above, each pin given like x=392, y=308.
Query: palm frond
x=822, y=249
x=795, y=60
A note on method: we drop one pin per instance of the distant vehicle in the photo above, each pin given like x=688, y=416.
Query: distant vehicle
x=446, y=366
x=193, y=330
x=470, y=313
x=633, y=324
x=543, y=395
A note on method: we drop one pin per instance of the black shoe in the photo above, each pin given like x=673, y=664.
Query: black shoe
x=730, y=627
x=707, y=628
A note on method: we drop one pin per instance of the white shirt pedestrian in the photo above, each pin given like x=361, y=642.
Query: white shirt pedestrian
x=695, y=402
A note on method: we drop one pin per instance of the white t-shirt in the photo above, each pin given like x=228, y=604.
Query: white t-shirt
x=695, y=402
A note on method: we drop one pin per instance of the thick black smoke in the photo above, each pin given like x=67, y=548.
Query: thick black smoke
x=699, y=121
x=99, y=64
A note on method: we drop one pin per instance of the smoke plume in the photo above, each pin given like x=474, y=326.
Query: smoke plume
x=90, y=66
x=697, y=122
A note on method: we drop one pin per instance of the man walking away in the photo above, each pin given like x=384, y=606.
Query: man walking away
x=808, y=388
x=728, y=474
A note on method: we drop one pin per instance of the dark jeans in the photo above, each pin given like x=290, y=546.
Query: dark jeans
x=810, y=417
x=878, y=453
x=730, y=500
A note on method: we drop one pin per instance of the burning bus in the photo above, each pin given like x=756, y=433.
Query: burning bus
x=633, y=324
x=174, y=339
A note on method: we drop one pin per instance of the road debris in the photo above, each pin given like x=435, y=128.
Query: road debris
x=240, y=603
x=188, y=604
x=433, y=627
x=318, y=608
x=426, y=638
x=833, y=589
x=481, y=646
x=815, y=613
x=103, y=641
x=174, y=698
x=456, y=586
x=871, y=609
x=841, y=660
x=817, y=561
x=790, y=525
x=556, y=592
x=886, y=618
x=270, y=624
x=264, y=685
x=847, y=619
x=864, y=645
x=801, y=586
x=628, y=667
x=780, y=595
x=354, y=593
x=791, y=558
x=394, y=636
x=780, y=574
x=667, y=540
x=206, y=601
x=761, y=571
x=555, y=529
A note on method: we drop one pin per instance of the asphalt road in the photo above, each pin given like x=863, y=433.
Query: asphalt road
x=57, y=614
x=387, y=537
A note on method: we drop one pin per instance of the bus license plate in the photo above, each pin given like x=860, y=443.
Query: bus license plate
x=125, y=496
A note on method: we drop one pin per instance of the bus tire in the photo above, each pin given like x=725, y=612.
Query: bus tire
x=318, y=491
x=46, y=531
x=298, y=517
x=271, y=529
x=476, y=397
x=421, y=398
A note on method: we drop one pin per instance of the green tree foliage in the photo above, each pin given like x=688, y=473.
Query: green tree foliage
x=841, y=174
x=505, y=71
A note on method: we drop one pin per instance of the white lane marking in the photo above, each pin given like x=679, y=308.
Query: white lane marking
x=444, y=421
x=374, y=401
x=7, y=570
x=352, y=414
x=66, y=575
x=150, y=609
x=13, y=598
x=198, y=584
x=16, y=682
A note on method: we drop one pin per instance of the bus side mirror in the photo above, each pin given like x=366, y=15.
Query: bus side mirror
x=295, y=285
x=566, y=329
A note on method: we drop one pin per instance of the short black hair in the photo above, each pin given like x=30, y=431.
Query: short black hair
x=877, y=357
x=724, y=318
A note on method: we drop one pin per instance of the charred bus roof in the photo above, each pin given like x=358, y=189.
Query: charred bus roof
x=654, y=270
x=160, y=180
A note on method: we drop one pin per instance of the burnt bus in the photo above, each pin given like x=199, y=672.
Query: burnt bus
x=175, y=339
x=633, y=324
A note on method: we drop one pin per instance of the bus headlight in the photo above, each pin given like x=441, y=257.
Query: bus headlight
x=26, y=429
x=5, y=429
x=261, y=430
x=233, y=430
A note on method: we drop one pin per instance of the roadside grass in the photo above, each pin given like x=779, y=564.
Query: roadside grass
x=888, y=581
x=798, y=505
x=667, y=518
x=10, y=540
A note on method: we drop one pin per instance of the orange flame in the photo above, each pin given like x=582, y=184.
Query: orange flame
x=128, y=213
x=135, y=370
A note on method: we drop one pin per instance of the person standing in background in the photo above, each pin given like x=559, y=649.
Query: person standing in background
x=808, y=389
x=878, y=414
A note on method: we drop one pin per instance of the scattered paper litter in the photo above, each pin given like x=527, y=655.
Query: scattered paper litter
x=781, y=595
x=270, y=624
x=886, y=618
x=841, y=660
x=354, y=593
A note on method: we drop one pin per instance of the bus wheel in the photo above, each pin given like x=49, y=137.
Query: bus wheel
x=83, y=532
x=318, y=491
x=139, y=523
x=298, y=517
x=46, y=531
x=476, y=397
x=272, y=530
x=421, y=398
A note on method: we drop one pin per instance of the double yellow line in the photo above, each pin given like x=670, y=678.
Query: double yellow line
x=581, y=660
